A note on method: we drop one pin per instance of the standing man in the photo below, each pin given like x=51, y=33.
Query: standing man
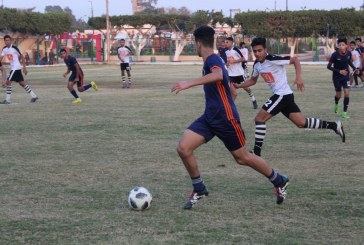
x=236, y=71
x=360, y=48
x=222, y=51
x=17, y=62
x=356, y=59
x=339, y=65
x=272, y=69
x=124, y=53
x=244, y=50
x=220, y=119
x=76, y=76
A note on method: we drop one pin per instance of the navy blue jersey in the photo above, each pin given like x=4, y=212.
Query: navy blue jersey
x=219, y=103
x=222, y=53
x=360, y=49
x=341, y=62
x=71, y=62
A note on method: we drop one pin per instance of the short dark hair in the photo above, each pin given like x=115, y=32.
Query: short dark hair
x=358, y=39
x=259, y=41
x=122, y=40
x=7, y=36
x=241, y=44
x=205, y=35
x=62, y=50
x=342, y=40
x=352, y=42
x=230, y=39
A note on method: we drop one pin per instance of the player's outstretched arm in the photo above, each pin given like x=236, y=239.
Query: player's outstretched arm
x=215, y=76
x=252, y=81
x=22, y=61
x=298, y=81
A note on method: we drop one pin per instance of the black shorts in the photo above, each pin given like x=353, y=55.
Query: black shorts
x=281, y=103
x=79, y=79
x=237, y=79
x=341, y=83
x=125, y=66
x=15, y=76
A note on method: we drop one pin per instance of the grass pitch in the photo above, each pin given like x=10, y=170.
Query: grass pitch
x=66, y=170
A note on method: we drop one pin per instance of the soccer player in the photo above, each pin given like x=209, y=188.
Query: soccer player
x=236, y=71
x=356, y=59
x=17, y=62
x=222, y=51
x=76, y=76
x=360, y=48
x=272, y=69
x=244, y=50
x=220, y=119
x=123, y=53
x=341, y=59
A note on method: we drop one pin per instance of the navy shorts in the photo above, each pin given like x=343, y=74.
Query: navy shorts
x=340, y=83
x=281, y=103
x=79, y=80
x=15, y=76
x=228, y=131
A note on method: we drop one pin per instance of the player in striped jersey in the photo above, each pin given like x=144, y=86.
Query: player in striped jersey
x=124, y=53
x=17, y=62
x=272, y=69
x=220, y=119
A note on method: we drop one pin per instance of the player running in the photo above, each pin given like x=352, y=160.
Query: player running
x=76, y=76
x=339, y=65
x=272, y=69
x=220, y=119
x=17, y=62
x=124, y=53
x=236, y=71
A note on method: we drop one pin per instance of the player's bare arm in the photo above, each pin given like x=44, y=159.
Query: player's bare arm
x=252, y=81
x=66, y=73
x=22, y=61
x=298, y=81
x=78, y=72
x=215, y=76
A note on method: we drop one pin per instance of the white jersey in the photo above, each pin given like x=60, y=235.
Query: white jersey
x=13, y=54
x=356, y=58
x=273, y=71
x=123, y=53
x=234, y=69
x=245, y=53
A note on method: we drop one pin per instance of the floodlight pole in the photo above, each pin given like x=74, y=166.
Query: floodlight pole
x=286, y=5
x=107, y=48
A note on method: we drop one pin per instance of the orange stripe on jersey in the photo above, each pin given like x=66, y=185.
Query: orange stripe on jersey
x=215, y=67
x=225, y=100
x=238, y=131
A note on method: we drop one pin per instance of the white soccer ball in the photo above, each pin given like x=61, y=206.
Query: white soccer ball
x=139, y=198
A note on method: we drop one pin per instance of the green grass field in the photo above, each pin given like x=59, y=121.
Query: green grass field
x=66, y=169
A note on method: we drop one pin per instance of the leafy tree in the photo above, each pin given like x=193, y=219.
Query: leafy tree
x=77, y=24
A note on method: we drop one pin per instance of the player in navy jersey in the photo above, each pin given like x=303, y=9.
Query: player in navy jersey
x=220, y=119
x=222, y=49
x=339, y=65
x=17, y=63
x=272, y=69
x=124, y=53
x=76, y=76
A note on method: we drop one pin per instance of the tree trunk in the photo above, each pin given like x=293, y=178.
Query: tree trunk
x=180, y=44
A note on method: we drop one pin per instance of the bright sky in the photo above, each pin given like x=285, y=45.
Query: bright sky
x=82, y=8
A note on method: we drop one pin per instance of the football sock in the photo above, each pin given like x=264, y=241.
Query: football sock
x=275, y=178
x=87, y=86
x=337, y=100
x=129, y=79
x=317, y=123
x=346, y=103
x=73, y=92
x=197, y=184
x=123, y=79
x=29, y=91
x=250, y=93
x=260, y=131
x=8, y=93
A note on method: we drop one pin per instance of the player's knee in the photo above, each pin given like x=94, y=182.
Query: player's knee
x=183, y=150
x=80, y=89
